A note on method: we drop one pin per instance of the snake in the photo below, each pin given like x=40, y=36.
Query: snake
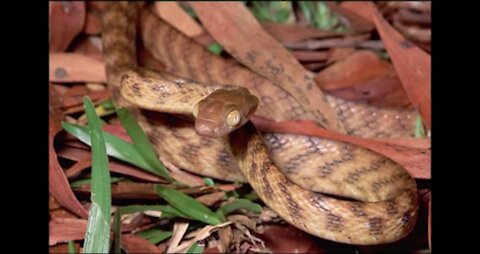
x=196, y=114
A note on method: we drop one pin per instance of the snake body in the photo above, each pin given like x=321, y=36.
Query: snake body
x=285, y=170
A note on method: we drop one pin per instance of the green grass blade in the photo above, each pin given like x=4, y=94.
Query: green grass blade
x=240, y=204
x=419, y=129
x=167, y=210
x=116, y=147
x=97, y=236
x=117, y=228
x=71, y=247
x=141, y=142
x=208, y=181
x=155, y=236
x=195, y=248
x=188, y=205
x=215, y=48
x=87, y=181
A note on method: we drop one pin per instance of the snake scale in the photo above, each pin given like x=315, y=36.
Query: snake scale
x=301, y=178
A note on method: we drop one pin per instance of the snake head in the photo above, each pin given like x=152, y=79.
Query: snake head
x=224, y=111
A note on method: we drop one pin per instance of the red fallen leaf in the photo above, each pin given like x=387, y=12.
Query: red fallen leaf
x=412, y=64
x=127, y=190
x=58, y=183
x=66, y=22
x=83, y=158
x=86, y=47
x=93, y=24
x=122, y=168
x=364, y=75
x=211, y=250
x=415, y=160
x=118, y=131
x=63, y=230
x=62, y=213
x=294, y=33
x=287, y=239
x=358, y=7
x=356, y=22
x=78, y=167
x=172, y=13
x=137, y=244
x=233, y=26
x=63, y=248
x=71, y=67
x=204, y=38
x=384, y=92
x=360, y=67
x=96, y=96
x=304, y=55
x=338, y=54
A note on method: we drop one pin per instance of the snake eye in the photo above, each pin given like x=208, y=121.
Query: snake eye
x=233, y=118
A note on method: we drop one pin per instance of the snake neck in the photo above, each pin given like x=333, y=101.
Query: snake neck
x=118, y=37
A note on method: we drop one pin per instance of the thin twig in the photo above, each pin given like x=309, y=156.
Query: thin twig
x=329, y=43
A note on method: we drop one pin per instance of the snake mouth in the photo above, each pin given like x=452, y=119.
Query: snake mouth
x=208, y=128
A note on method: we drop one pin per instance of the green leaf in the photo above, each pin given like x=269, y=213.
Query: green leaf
x=141, y=142
x=240, y=204
x=155, y=236
x=87, y=181
x=307, y=9
x=208, y=181
x=116, y=147
x=419, y=129
x=215, y=48
x=188, y=205
x=251, y=196
x=117, y=228
x=108, y=105
x=195, y=248
x=167, y=210
x=97, y=236
x=71, y=247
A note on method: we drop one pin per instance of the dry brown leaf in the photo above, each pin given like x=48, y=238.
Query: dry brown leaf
x=179, y=230
x=137, y=244
x=199, y=235
x=339, y=53
x=96, y=96
x=58, y=183
x=66, y=21
x=415, y=160
x=363, y=75
x=294, y=33
x=71, y=67
x=62, y=213
x=287, y=239
x=355, y=22
x=233, y=26
x=412, y=64
x=63, y=230
x=304, y=55
x=212, y=198
x=358, y=7
x=226, y=236
x=178, y=18
x=360, y=67
x=78, y=167
x=88, y=48
x=93, y=24
x=127, y=190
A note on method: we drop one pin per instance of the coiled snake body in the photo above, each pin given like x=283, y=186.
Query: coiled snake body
x=286, y=171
